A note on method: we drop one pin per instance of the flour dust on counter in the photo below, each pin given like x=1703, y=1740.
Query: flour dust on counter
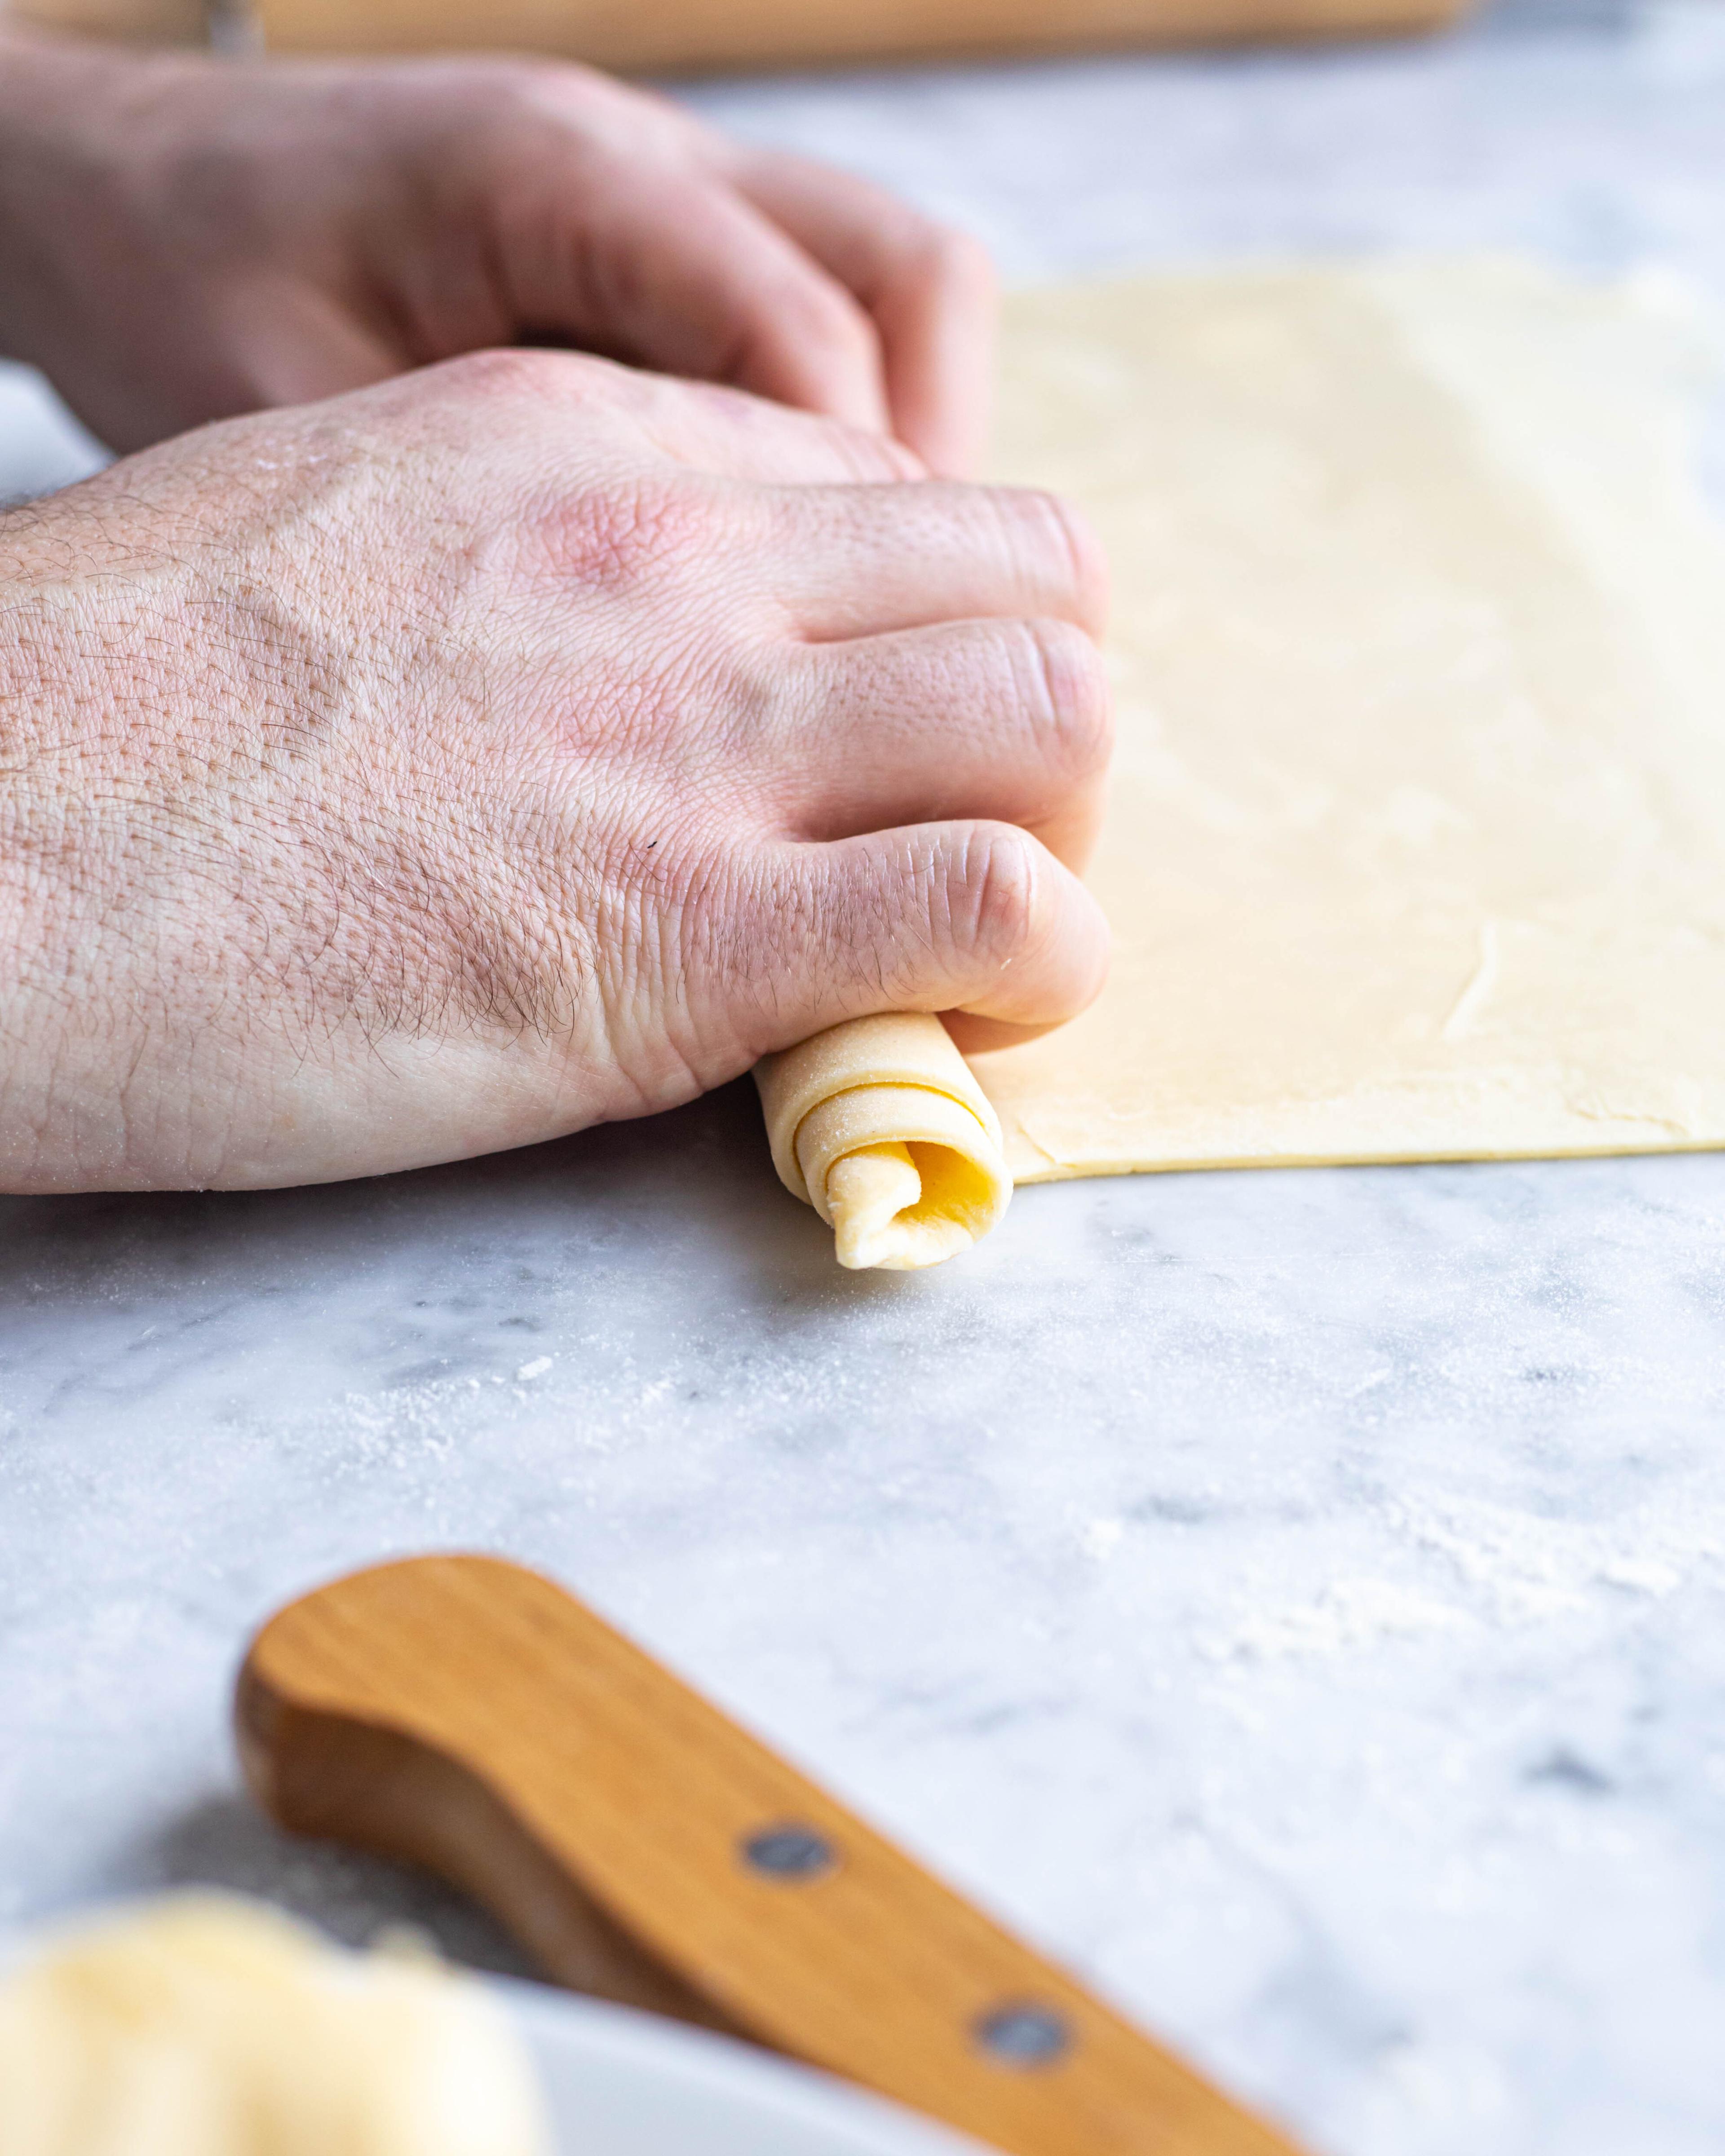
x=1416, y=843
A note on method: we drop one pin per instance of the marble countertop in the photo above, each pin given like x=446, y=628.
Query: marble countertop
x=1298, y=1599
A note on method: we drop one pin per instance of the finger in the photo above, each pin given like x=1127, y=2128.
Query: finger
x=861, y=561
x=975, y=917
x=930, y=289
x=669, y=267
x=1010, y=721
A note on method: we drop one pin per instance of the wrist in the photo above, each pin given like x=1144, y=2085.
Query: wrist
x=77, y=825
x=35, y=696
x=70, y=112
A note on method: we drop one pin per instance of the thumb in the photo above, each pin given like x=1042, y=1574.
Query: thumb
x=975, y=920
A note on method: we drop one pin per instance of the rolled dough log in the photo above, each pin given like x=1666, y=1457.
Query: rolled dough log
x=879, y=1125
x=208, y=2026
x=1415, y=847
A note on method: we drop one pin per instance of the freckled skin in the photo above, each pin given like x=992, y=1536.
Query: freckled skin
x=443, y=760
x=522, y=743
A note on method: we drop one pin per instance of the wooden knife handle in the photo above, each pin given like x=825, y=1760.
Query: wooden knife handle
x=468, y=1715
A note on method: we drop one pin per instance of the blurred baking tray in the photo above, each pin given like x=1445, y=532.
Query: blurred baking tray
x=678, y=35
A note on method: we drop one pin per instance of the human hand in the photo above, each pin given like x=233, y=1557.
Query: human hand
x=520, y=744
x=183, y=239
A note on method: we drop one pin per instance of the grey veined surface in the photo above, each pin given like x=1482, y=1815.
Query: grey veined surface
x=1295, y=1599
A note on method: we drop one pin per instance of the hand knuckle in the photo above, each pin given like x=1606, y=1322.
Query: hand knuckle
x=998, y=900
x=508, y=372
x=1057, y=526
x=505, y=90
x=617, y=536
x=1076, y=705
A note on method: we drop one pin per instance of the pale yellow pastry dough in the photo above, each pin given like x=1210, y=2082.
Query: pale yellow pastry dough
x=206, y=2026
x=1416, y=841
x=1416, y=846
x=879, y=1125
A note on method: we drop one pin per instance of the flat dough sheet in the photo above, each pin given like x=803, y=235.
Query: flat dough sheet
x=1416, y=848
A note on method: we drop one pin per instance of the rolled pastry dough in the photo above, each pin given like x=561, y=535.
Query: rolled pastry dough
x=208, y=2027
x=1416, y=840
x=879, y=1125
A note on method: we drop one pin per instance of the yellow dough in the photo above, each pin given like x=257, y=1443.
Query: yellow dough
x=879, y=1125
x=1416, y=847
x=1416, y=840
x=208, y=2027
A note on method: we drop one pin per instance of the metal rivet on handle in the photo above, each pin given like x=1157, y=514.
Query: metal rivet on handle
x=1022, y=2034
x=789, y=1852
